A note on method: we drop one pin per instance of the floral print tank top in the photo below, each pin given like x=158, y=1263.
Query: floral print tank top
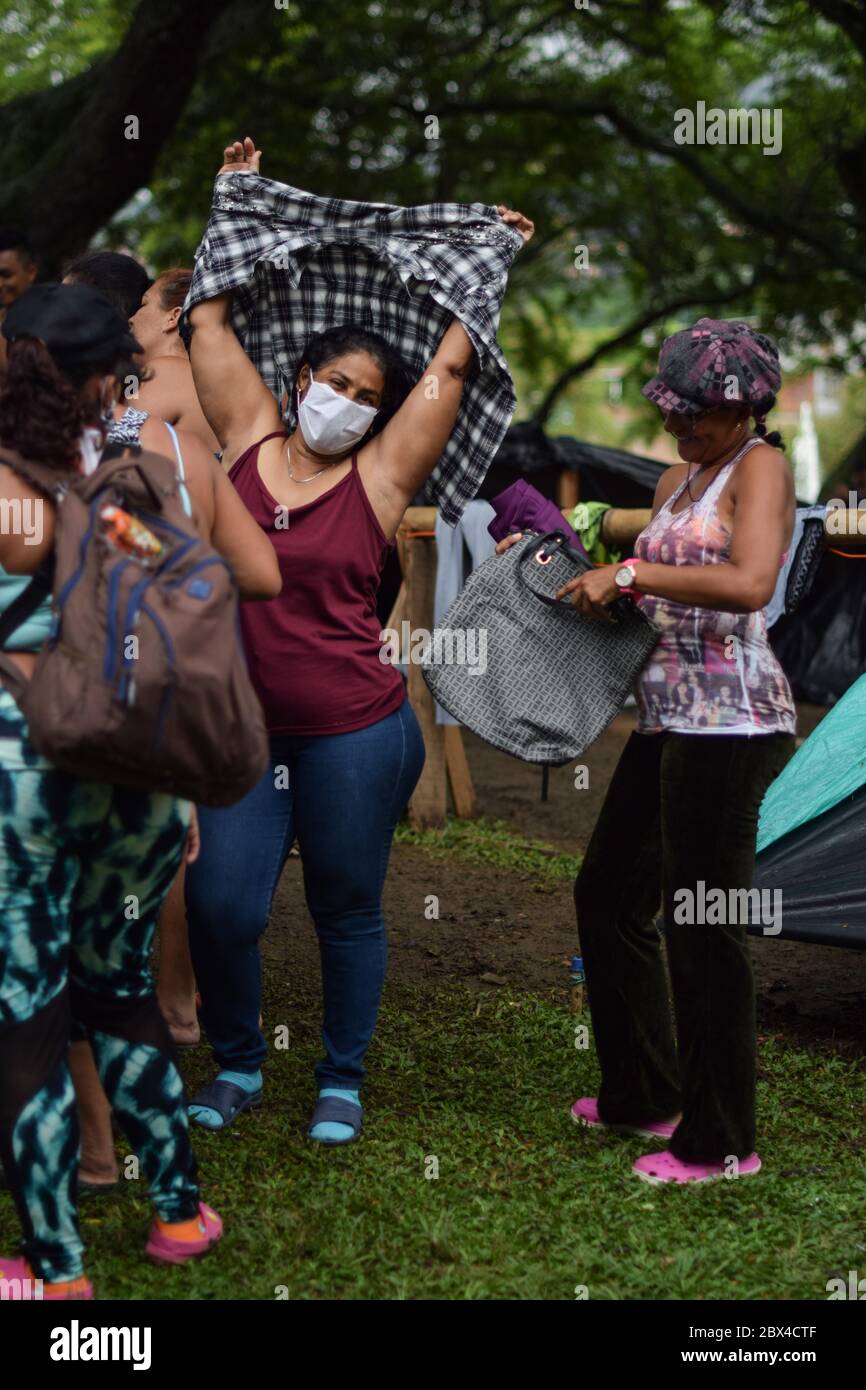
x=711, y=672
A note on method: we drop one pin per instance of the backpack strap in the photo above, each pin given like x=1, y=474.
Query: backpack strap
x=47, y=480
x=28, y=600
x=53, y=485
x=182, y=488
x=18, y=612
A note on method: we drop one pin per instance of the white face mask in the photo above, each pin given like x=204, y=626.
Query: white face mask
x=331, y=423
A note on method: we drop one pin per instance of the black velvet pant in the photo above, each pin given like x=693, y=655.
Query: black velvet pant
x=681, y=809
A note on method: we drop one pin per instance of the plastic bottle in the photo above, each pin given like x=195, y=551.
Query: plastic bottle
x=127, y=533
x=578, y=980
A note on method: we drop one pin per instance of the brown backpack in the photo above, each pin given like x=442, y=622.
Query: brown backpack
x=142, y=682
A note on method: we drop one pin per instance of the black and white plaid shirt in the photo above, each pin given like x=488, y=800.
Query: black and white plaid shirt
x=299, y=264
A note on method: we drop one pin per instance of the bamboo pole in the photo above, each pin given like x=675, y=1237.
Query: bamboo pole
x=429, y=803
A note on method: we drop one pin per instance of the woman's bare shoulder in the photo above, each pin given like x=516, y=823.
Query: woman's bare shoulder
x=668, y=482
x=763, y=464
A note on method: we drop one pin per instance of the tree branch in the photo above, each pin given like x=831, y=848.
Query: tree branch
x=67, y=192
x=627, y=335
x=772, y=220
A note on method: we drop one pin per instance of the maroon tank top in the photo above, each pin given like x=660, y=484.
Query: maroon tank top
x=313, y=651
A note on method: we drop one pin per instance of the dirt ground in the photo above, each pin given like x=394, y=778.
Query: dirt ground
x=496, y=927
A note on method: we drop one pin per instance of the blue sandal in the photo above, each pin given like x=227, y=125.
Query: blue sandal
x=333, y=1110
x=227, y=1099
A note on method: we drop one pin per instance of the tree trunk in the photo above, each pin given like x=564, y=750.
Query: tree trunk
x=85, y=164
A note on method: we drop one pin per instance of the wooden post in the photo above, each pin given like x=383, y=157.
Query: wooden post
x=568, y=489
x=428, y=806
x=621, y=526
x=459, y=776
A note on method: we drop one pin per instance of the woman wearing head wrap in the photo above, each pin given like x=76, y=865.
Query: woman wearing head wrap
x=679, y=821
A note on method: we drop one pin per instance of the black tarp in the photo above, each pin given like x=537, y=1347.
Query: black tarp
x=610, y=475
x=822, y=645
x=821, y=872
x=606, y=475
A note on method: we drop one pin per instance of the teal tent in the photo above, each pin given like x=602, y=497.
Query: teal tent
x=812, y=831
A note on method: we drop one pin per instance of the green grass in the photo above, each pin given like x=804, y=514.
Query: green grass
x=526, y=1206
x=493, y=842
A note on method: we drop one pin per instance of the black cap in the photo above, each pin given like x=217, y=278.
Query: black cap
x=77, y=324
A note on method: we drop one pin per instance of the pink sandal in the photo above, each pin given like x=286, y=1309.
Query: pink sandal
x=585, y=1112
x=20, y=1285
x=167, y=1249
x=666, y=1167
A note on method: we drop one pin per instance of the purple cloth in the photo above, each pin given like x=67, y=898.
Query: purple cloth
x=521, y=507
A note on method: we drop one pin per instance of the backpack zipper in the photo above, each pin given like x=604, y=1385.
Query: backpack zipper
x=110, y=646
x=166, y=525
x=74, y=578
x=134, y=605
x=169, y=691
x=202, y=565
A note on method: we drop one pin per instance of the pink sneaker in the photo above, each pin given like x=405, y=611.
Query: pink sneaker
x=19, y=1284
x=666, y=1167
x=585, y=1112
x=200, y=1234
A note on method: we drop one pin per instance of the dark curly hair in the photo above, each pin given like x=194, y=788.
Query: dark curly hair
x=117, y=275
x=336, y=342
x=43, y=411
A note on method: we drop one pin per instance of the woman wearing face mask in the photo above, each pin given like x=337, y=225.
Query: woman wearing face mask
x=72, y=851
x=680, y=817
x=347, y=750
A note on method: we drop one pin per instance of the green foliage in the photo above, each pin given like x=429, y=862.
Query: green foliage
x=485, y=841
x=525, y=1204
x=44, y=42
x=568, y=114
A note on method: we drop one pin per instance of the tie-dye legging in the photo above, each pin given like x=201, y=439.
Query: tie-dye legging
x=84, y=869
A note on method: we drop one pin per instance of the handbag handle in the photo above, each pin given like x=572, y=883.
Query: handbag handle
x=557, y=540
x=552, y=540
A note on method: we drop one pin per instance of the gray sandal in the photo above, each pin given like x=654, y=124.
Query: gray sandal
x=333, y=1110
x=227, y=1099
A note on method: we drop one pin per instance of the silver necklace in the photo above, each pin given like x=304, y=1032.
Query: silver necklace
x=312, y=476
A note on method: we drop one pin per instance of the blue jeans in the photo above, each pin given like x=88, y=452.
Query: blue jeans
x=344, y=796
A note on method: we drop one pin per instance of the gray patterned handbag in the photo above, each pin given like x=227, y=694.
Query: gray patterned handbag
x=536, y=679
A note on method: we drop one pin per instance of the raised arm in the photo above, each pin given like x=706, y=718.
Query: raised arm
x=238, y=405
x=398, y=462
